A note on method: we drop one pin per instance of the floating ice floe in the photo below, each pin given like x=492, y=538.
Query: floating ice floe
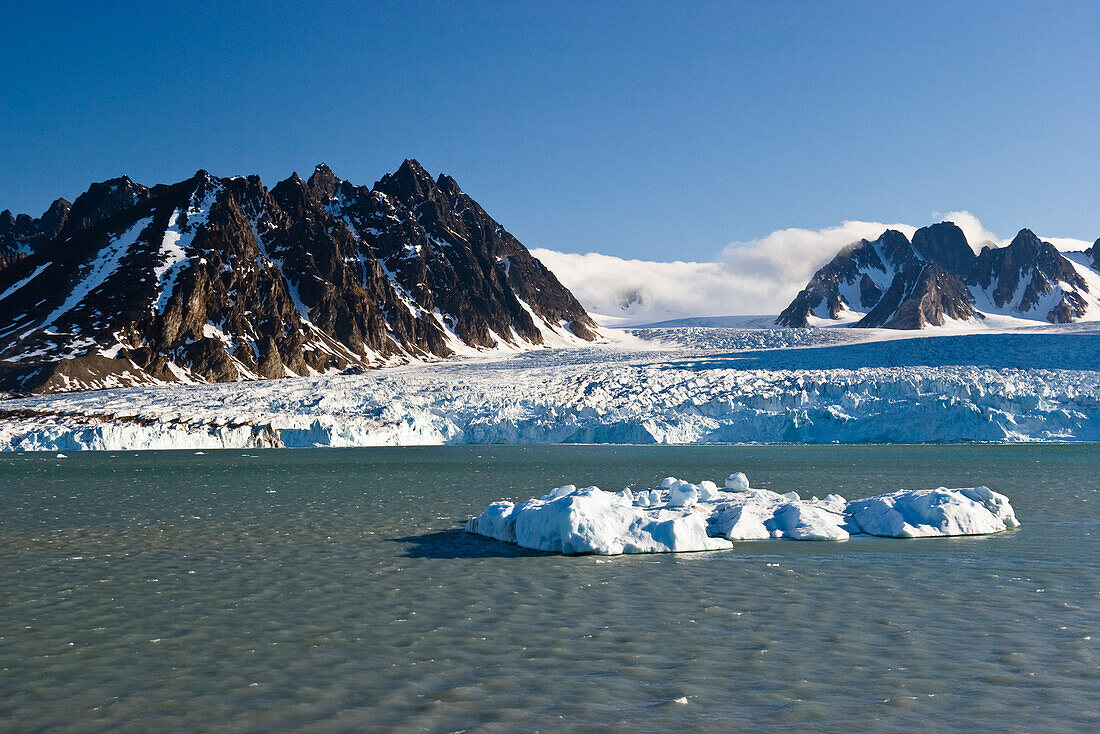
x=681, y=516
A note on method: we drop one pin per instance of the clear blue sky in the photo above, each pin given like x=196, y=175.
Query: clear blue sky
x=660, y=131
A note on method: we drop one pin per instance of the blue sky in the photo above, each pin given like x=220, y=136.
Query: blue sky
x=660, y=131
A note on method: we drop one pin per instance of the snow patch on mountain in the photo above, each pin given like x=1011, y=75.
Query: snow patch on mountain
x=173, y=249
x=99, y=269
x=20, y=283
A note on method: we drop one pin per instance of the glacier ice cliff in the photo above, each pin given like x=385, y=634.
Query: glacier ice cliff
x=639, y=395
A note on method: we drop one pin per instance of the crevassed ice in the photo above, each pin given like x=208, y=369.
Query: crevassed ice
x=682, y=516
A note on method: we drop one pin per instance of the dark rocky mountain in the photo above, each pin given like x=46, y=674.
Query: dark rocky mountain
x=936, y=278
x=1093, y=255
x=856, y=279
x=923, y=295
x=22, y=235
x=220, y=279
x=1026, y=273
x=946, y=245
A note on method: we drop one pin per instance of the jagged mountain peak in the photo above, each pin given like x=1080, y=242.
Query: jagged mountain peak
x=937, y=278
x=1025, y=239
x=410, y=180
x=102, y=201
x=292, y=190
x=448, y=185
x=120, y=186
x=216, y=279
x=323, y=183
x=893, y=238
x=411, y=166
x=945, y=244
x=896, y=247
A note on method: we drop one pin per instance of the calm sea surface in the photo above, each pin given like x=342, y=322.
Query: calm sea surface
x=332, y=590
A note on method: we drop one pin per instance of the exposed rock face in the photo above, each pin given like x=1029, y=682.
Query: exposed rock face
x=924, y=295
x=856, y=279
x=21, y=235
x=1021, y=275
x=216, y=279
x=946, y=245
x=937, y=278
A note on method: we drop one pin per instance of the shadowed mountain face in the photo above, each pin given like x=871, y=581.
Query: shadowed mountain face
x=937, y=278
x=219, y=279
x=946, y=245
x=1093, y=255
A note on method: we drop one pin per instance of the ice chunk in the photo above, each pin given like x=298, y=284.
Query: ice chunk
x=807, y=521
x=498, y=521
x=737, y=482
x=682, y=494
x=685, y=516
x=742, y=522
x=922, y=513
x=708, y=491
x=560, y=492
x=593, y=521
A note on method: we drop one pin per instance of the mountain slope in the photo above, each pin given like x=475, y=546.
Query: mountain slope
x=937, y=279
x=220, y=279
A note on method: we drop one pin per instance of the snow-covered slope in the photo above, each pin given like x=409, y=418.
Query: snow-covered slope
x=723, y=385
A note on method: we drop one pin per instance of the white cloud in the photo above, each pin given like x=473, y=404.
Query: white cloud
x=641, y=291
x=756, y=277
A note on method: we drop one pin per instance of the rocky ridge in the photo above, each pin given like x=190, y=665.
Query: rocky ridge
x=937, y=278
x=221, y=279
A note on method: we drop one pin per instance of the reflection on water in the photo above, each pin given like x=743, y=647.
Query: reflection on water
x=330, y=590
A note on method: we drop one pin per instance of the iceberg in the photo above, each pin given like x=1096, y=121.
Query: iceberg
x=681, y=516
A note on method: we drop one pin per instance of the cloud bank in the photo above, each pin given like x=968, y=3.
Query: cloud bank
x=755, y=277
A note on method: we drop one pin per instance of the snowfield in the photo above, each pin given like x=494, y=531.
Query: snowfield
x=675, y=385
x=680, y=516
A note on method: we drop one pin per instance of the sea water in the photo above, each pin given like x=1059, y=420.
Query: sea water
x=334, y=590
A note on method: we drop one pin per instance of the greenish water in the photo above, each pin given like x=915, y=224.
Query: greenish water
x=331, y=590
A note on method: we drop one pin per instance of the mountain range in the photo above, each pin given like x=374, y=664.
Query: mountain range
x=936, y=278
x=218, y=279
x=221, y=279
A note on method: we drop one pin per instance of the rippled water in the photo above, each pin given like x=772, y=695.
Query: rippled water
x=331, y=590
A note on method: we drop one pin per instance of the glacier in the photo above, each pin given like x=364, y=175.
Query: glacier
x=680, y=516
x=651, y=386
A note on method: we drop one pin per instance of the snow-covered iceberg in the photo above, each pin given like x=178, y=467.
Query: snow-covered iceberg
x=681, y=516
